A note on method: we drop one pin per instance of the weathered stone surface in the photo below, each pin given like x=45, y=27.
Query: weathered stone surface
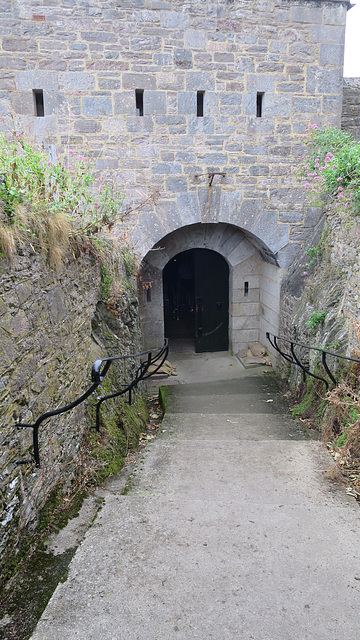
x=47, y=349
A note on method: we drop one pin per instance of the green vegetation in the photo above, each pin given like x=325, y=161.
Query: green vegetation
x=312, y=253
x=330, y=168
x=316, y=318
x=51, y=203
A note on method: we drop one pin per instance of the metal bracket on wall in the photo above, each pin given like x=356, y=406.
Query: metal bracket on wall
x=211, y=175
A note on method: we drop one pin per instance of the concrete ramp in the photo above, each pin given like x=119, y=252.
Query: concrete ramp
x=228, y=528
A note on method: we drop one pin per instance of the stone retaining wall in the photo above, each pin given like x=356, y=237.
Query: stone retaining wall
x=350, y=120
x=52, y=329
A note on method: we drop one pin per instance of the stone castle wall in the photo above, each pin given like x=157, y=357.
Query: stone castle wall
x=89, y=58
x=265, y=70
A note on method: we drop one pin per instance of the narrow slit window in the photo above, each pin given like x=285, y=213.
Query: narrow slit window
x=246, y=288
x=259, y=104
x=148, y=295
x=200, y=103
x=39, y=103
x=139, y=100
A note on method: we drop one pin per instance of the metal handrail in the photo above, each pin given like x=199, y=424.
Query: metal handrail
x=142, y=373
x=294, y=358
x=98, y=373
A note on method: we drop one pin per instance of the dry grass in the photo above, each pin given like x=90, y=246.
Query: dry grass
x=48, y=233
x=341, y=433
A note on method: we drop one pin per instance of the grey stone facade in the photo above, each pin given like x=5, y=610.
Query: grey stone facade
x=91, y=57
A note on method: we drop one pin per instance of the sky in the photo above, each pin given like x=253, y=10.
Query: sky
x=352, y=43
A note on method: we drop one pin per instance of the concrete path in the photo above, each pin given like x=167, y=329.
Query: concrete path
x=228, y=529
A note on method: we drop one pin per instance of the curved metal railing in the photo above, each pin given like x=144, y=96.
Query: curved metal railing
x=294, y=358
x=153, y=358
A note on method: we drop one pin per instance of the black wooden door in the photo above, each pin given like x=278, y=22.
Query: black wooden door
x=211, y=275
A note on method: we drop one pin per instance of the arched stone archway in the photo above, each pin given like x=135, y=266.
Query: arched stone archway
x=254, y=281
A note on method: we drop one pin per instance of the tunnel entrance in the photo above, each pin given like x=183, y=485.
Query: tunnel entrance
x=196, y=300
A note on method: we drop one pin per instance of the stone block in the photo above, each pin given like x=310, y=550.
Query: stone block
x=76, y=81
x=189, y=208
x=253, y=295
x=195, y=39
x=325, y=34
x=87, y=126
x=200, y=125
x=200, y=81
x=332, y=55
x=259, y=170
x=307, y=105
x=22, y=104
x=78, y=46
x=138, y=81
x=249, y=104
x=334, y=14
x=174, y=19
x=19, y=44
x=265, y=225
x=288, y=254
x=185, y=157
x=255, y=150
x=230, y=206
x=106, y=37
x=302, y=52
x=163, y=59
x=167, y=168
x=307, y=15
x=242, y=252
x=276, y=105
x=250, y=210
x=290, y=87
x=96, y=106
x=187, y=102
x=124, y=103
x=177, y=185
x=213, y=159
x=211, y=103
x=263, y=83
x=243, y=336
x=154, y=102
x=55, y=102
x=146, y=16
x=145, y=43
x=109, y=84
x=183, y=58
x=231, y=103
x=28, y=80
x=278, y=238
x=292, y=217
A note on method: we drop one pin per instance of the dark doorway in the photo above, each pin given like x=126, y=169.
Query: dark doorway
x=196, y=299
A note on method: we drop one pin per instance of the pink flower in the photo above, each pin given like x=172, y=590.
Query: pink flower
x=340, y=189
x=339, y=178
x=340, y=195
x=307, y=184
x=70, y=166
x=305, y=273
x=71, y=151
x=335, y=166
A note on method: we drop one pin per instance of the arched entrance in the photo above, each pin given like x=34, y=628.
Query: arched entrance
x=196, y=300
x=254, y=283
